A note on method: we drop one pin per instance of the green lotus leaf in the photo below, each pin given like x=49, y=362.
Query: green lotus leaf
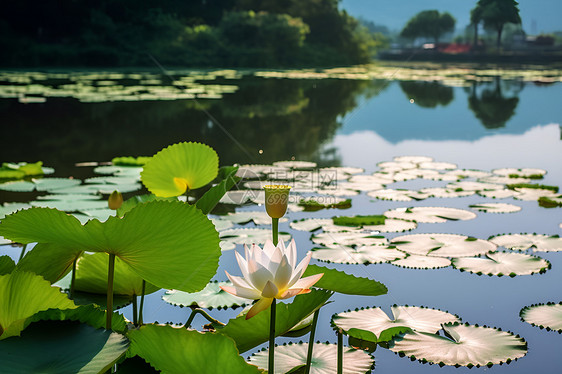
x=178, y=350
x=385, y=335
x=464, y=345
x=212, y=197
x=31, y=168
x=23, y=294
x=550, y=202
x=91, y=276
x=430, y=214
x=547, y=316
x=212, y=296
x=338, y=281
x=376, y=321
x=248, y=333
x=495, y=207
x=324, y=359
x=522, y=242
x=53, y=184
x=139, y=199
x=502, y=263
x=442, y=245
x=135, y=365
x=70, y=205
x=7, y=265
x=130, y=161
x=179, y=167
x=62, y=347
x=51, y=261
x=359, y=220
x=422, y=262
x=19, y=186
x=366, y=254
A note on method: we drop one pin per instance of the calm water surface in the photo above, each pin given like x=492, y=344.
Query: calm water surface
x=479, y=124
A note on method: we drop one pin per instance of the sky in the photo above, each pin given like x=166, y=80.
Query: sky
x=537, y=15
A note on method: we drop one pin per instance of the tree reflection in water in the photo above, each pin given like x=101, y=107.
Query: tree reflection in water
x=427, y=94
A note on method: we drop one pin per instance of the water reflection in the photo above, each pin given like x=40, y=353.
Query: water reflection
x=492, y=105
x=427, y=94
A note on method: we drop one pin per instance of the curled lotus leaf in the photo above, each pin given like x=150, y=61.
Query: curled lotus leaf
x=462, y=345
x=502, y=263
x=366, y=254
x=375, y=319
x=442, y=245
x=324, y=359
x=212, y=296
x=547, y=316
x=180, y=167
x=422, y=262
x=430, y=214
x=495, y=207
x=522, y=242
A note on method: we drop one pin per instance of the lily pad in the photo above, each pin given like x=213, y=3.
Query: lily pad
x=474, y=186
x=502, y=263
x=296, y=164
x=547, y=316
x=422, y=262
x=9, y=208
x=331, y=239
x=62, y=347
x=442, y=192
x=462, y=345
x=376, y=320
x=371, y=254
x=18, y=186
x=430, y=214
x=442, y=245
x=522, y=242
x=396, y=195
x=70, y=205
x=178, y=350
x=498, y=194
x=53, y=184
x=437, y=165
x=517, y=173
x=249, y=236
x=324, y=359
x=531, y=194
x=495, y=207
x=212, y=296
x=259, y=217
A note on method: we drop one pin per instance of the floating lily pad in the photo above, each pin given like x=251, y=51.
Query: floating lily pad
x=70, y=205
x=502, y=263
x=53, y=184
x=329, y=239
x=442, y=245
x=250, y=236
x=437, y=165
x=422, y=262
x=222, y=224
x=474, y=186
x=315, y=203
x=430, y=214
x=212, y=296
x=413, y=159
x=259, y=217
x=69, y=197
x=310, y=224
x=397, y=195
x=296, y=164
x=19, y=186
x=522, y=242
x=517, y=173
x=442, y=192
x=378, y=179
x=397, y=165
x=495, y=207
x=390, y=225
x=498, y=194
x=547, y=316
x=62, y=347
x=504, y=180
x=360, y=186
x=372, y=254
x=375, y=319
x=239, y=197
x=531, y=194
x=550, y=202
x=462, y=345
x=324, y=359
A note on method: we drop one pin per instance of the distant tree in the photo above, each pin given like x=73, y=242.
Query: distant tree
x=429, y=24
x=475, y=19
x=495, y=14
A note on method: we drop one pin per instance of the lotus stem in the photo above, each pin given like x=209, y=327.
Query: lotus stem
x=142, y=302
x=311, y=342
x=275, y=229
x=73, y=279
x=135, y=319
x=196, y=311
x=22, y=252
x=271, y=361
x=110, y=273
x=340, y=351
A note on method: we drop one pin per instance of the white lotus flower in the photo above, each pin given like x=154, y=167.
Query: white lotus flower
x=271, y=273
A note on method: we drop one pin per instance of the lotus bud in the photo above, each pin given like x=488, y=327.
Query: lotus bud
x=276, y=200
x=115, y=200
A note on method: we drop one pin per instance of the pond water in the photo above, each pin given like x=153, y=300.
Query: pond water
x=478, y=119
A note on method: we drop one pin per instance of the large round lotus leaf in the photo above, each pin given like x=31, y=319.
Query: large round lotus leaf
x=179, y=167
x=366, y=254
x=474, y=186
x=396, y=195
x=376, y=320
x=70, y=205
x=53, y=184
x=502, y=263
x=91, y=276
x=212, y=296
x=442, y=245
x=495, y=207
x=498, y=194
x=339, y=281
x=19, y=186
x=23, y=294
x=331, y=239
x=249, y=236
x=430, y=214
x=464, y=345
x=522, y=242
x=324, y=359
x=51, y=261
x=422, y=262
x=62, y=347
x=178, y=350
x=547, y=316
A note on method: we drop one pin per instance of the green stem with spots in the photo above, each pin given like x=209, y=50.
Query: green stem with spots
x=340, y=351
x=275, y=229
x=142, y=302
x=110, y=273
x=271, y=361
x=311, y=341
